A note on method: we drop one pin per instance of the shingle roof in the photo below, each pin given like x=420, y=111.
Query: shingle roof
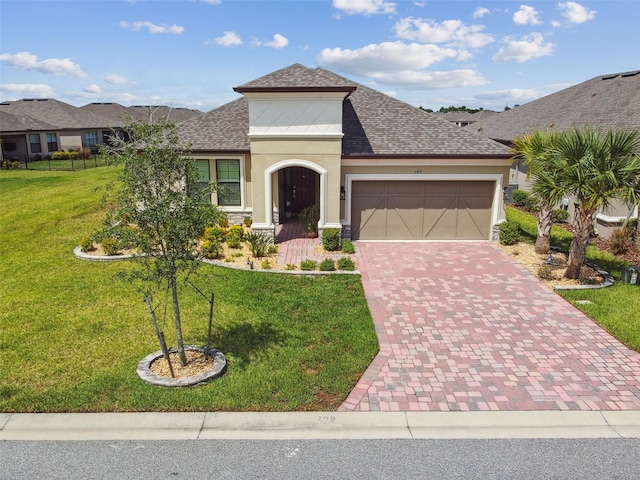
x=111, y=114
x=374, y=124
x=21, y=123
x=54, y=112
x=608, y=101
x=162, y=113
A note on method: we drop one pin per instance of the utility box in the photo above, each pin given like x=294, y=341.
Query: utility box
x=631, y=275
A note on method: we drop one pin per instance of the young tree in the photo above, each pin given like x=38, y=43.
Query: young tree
x=160, y=207
x=544, y=169
x=600, y=167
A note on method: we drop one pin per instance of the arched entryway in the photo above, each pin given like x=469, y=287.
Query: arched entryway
x=299, y=188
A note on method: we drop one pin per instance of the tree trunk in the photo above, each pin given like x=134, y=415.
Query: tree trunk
x=579, y=244
x=545, y=222
x=176, y=317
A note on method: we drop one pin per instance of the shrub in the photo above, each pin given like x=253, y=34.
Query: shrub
x=86, y=244
x=110, y=246
x=223, y=221
x=347, y=247
x=308, y=265
x=346, y=264
x=620, y=240
x=233, y=239
x=290, y=266
x=248, y=221
x=266, y=264
x=327, y=265
x=531, y=204
x=211, y=249
x=62, y=155
x=237, y=230
x=519, y=197
x=560, y=215
x=272, y=249
x=259, y=243
x=545, y=272
x=331, y=239
x=509, y=233
x=214, y=234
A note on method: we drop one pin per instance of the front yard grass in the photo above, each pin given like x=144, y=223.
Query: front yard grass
x=71, y=335
x=614, y=308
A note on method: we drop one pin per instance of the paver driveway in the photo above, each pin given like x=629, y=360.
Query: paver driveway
x=463, y=327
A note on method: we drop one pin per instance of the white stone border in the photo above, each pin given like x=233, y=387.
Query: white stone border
x=218, y=369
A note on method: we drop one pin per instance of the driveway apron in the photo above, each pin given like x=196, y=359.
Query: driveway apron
x=461, y=326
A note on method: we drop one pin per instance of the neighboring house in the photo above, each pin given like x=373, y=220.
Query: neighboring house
x=33, y=129
x=608, y=101
x=377, y=168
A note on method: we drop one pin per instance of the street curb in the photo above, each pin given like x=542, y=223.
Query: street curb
x=319, y=425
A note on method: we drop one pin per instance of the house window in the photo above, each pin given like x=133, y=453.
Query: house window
x=91, y=138
x=34, y=142
x=52, y=142
x=205, y=177
x=228, y=177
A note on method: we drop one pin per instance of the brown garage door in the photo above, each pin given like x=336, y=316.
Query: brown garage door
x=421, y=210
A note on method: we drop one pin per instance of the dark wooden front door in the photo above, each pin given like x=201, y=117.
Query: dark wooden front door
x=300, y=188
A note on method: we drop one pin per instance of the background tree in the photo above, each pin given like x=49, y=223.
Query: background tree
x=160, y=210
x=544, y=170
x=600, y=167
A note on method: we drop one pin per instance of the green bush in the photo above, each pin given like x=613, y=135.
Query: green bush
x=259, y=243
x=110, y=246
x=331, y=239
x=346, y=264
x=347, y=247
x=308, y=265
x=233, y=239
x=266, y=264
x=620, y=240
x=214, y=234
x=520, y=197
x=237, y=230
x=560, y=215
x=290, y=266
x=327, y=265
x=62, y=155
x=211, y=249
x=272, y=249
x=86, y=244
x=509, y=233
x=247, y=221
x=223, y=221
x=531, y=204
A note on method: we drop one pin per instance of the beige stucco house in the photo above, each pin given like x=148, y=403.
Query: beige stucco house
x=377, y=167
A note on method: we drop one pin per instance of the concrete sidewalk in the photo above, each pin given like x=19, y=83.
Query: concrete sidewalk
x=320, y=425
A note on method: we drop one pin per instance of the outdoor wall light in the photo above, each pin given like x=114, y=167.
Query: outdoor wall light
x=342, y=192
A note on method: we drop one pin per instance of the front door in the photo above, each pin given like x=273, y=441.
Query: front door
x=300, y=188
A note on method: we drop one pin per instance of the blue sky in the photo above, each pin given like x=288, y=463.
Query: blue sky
x=191, y=53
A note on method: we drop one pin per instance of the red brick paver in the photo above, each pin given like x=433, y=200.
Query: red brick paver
x=463, y=327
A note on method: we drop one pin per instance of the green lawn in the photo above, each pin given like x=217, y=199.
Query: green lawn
x=615, y=308
x=71, y=335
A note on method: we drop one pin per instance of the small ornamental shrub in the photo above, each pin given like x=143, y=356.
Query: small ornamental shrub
x=110, y=246
x=346, y=264
x=238, y=230
x=223, y=221
x=509, y=233
x=545, y=272
x=258, y=243
x=620, y=240
x=86, y=245
x=347, y=247
x=560, y=215
x=327, y=265
x=308, y=265
x=273, y=249
x=290, y=266
x=62, y=155
x=266, y=264
x=211, y=249
x=331, y=239
x=520, y=197
x=214, y=234
x=531, y=204
x=247, y=221
x=233, y=239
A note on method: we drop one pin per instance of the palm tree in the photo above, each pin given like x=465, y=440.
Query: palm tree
x=544, y=170
x=599, y=168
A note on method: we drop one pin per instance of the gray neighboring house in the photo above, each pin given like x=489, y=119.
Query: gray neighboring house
x=604, y=102
x=33, y=129
x=376, y=167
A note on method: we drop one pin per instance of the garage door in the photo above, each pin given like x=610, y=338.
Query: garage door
x=421, y=210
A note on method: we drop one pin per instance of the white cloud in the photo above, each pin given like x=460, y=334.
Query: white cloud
x=528, y=47
x=452, y=33
x=526, y=16
x=115, y=79
x=212, y=2
x=480, y=12
x=152, y=27
x=576, y=13
x=55, y=66
x=36, y=90
x=93, y=89
x=228, y=39
x=365, y=7
x=399, y=64
x=279, y=41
